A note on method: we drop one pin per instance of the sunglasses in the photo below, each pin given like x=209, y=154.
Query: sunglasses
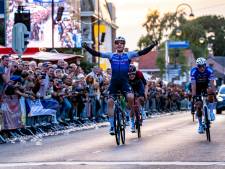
x=118, y=42
x=201, y=66
x=131, y=74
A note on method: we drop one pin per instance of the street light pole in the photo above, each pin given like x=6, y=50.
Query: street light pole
x=53, y=7
x=185, y=4
x=166, y=59
x=98, y=32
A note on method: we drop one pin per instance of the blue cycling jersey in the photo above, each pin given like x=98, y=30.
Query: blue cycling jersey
x=202, y=78
x=120, y=64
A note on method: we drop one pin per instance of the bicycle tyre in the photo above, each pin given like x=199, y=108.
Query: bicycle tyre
x=117, y=126
x=207, y=124
x=138, y=124
x=123, y=127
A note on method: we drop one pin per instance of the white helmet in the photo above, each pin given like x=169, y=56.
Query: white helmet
x=120, y=38
x=201, y=61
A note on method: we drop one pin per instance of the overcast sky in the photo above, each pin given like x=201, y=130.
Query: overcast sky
x=131, y=14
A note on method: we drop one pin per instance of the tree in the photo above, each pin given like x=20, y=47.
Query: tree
x=156, y=26
x=202, y=27
x=160, y=62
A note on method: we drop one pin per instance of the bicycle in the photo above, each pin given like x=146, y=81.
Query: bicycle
x=138, y=115
x=207, y=123
x=119, y=120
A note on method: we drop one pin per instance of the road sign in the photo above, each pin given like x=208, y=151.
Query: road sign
x=178, y=44
x=19, y=38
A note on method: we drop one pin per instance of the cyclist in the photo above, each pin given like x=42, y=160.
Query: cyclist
x=202, y=81
x=139, y=75
x=137, y=85
x=120, y=62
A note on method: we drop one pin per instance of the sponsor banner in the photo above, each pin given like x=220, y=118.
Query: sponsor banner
x=11, y=113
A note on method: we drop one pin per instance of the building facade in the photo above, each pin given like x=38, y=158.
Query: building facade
x=98, y=24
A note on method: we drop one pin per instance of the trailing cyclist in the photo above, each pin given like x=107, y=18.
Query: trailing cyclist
x=137, y=85
x=202, y=81
x=120, y=62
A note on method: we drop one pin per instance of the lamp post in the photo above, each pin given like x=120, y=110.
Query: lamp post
x=176, y=54
x=53, y=26
x=98, y=32
x=187, y=5
x=178, y=33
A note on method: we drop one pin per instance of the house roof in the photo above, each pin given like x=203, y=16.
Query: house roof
x=218, y=63
x=219, y=59
x=147, y=61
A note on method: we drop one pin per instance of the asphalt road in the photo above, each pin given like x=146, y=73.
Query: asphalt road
x=167, y=142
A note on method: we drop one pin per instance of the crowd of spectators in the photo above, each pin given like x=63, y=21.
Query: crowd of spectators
x=59, y=93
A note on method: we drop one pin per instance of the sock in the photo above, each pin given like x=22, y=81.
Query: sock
x=143, y=113
x=200, y=121
x=211, y=107
x=132, y=121
x=128, y=112
x=111, y=121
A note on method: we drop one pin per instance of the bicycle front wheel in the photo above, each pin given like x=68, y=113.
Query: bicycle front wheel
x=122, y=127
x=117, y=126
x=207, y=124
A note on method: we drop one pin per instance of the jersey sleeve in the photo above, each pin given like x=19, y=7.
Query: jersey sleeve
x=106, y=55
x=193, y=74
x=211, y=74
x=132, y=54
x=141, y=76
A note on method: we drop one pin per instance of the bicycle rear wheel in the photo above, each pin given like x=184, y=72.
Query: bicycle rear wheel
x=122, y=127
x=207, y=124
x=193, y=117
x=138, y=124
x=117, y=126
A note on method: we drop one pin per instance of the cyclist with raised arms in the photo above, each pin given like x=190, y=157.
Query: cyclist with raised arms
x=120, y=62
x=202, y=81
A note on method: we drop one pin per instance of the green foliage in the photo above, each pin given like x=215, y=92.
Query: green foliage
x=87, y=66
x=192, y=30
x=144, y=41
x=183, y=63
x=156, y=26
x=160, y=62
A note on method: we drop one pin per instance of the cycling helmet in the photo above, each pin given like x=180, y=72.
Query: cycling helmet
x=201, y=61
x=132, y=69
x=120, y=38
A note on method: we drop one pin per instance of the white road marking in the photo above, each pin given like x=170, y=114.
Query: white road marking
x=158, y=163
x=96, y=152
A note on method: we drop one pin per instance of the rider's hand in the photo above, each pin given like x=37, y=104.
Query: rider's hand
x=84, y=44
x=155, y=43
